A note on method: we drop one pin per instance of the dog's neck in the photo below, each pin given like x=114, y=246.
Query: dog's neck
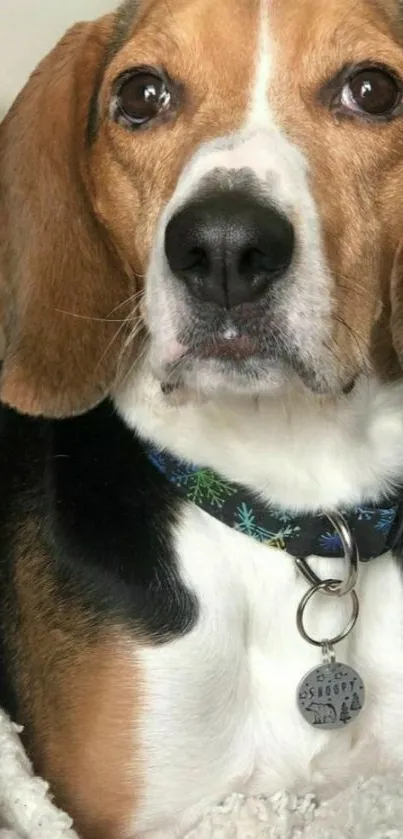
x=297, y=451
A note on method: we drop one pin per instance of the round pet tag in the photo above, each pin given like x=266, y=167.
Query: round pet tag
x=331, y=695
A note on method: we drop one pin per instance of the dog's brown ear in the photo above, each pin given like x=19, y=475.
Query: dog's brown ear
x=60, y=278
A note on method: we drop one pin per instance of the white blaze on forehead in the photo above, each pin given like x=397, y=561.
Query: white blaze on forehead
x=258, y=144
x=259, y=110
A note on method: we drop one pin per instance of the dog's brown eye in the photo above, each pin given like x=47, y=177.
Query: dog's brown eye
x=141, y=97
x=372, y=91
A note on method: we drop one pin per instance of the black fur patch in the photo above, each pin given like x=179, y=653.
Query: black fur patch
x=125, y=17
x=107, y=522
x=124, y=20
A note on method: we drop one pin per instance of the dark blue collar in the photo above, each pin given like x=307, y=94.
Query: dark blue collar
x=376, y=529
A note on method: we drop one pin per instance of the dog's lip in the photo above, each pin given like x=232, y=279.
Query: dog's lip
x=237, y=347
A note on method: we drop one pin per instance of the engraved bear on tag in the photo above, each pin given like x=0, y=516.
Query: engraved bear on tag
x=331, y=696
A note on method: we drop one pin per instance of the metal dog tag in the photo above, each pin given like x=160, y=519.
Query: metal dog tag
x=331, y=696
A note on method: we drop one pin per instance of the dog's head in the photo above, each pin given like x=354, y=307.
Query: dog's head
x=226, y=178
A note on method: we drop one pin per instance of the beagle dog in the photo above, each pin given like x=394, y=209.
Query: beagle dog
x=202, y=296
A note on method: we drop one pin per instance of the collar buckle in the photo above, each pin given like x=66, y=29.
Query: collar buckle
x=351, y=557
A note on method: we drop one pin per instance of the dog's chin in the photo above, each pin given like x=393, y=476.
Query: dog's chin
x=209, y=377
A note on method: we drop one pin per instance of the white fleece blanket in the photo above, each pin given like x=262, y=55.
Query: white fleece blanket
x=371, y=809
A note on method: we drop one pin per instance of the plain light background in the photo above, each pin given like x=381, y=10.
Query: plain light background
x=29, y=29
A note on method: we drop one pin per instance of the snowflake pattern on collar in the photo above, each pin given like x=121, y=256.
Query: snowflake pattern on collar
x=300, y=535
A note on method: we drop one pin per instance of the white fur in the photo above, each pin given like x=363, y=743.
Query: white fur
x=222, y=711
x=27, y=810
x=259, y=110
x=299, y=451
x=221, y=701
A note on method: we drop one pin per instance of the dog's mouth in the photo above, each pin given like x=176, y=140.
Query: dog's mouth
x=241, y=363
x=235, y=340
x=234, y=348
x=232, y=360
x=244, y=356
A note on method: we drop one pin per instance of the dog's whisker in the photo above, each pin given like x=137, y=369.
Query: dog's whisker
x=358, y=339
x=352, y=287
x=89, y=317
x=124, y=322
x=133, y=298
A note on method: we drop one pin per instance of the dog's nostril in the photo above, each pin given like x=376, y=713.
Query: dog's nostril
x=196, y=259
x=250, y=262
x=253, y=262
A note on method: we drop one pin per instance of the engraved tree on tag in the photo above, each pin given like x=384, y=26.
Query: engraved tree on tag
x=355, y=705
x=344, y=713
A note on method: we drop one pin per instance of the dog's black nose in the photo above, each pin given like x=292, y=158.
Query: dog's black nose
x=229, y=247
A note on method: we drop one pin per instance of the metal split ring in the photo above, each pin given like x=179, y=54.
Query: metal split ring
x=338, y=588
x=321, y=586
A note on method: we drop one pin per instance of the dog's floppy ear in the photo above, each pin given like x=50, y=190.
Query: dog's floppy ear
x=60, y=277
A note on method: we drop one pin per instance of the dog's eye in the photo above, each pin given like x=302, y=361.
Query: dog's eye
x=371, y=91
x=142, y=96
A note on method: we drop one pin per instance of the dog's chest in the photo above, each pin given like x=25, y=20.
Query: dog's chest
x=221, y=701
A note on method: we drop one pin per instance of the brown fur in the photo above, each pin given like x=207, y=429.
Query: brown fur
x=62, y=278
x=134, y=175
x=77, y=222
x=356, y=168
x=80, y=697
